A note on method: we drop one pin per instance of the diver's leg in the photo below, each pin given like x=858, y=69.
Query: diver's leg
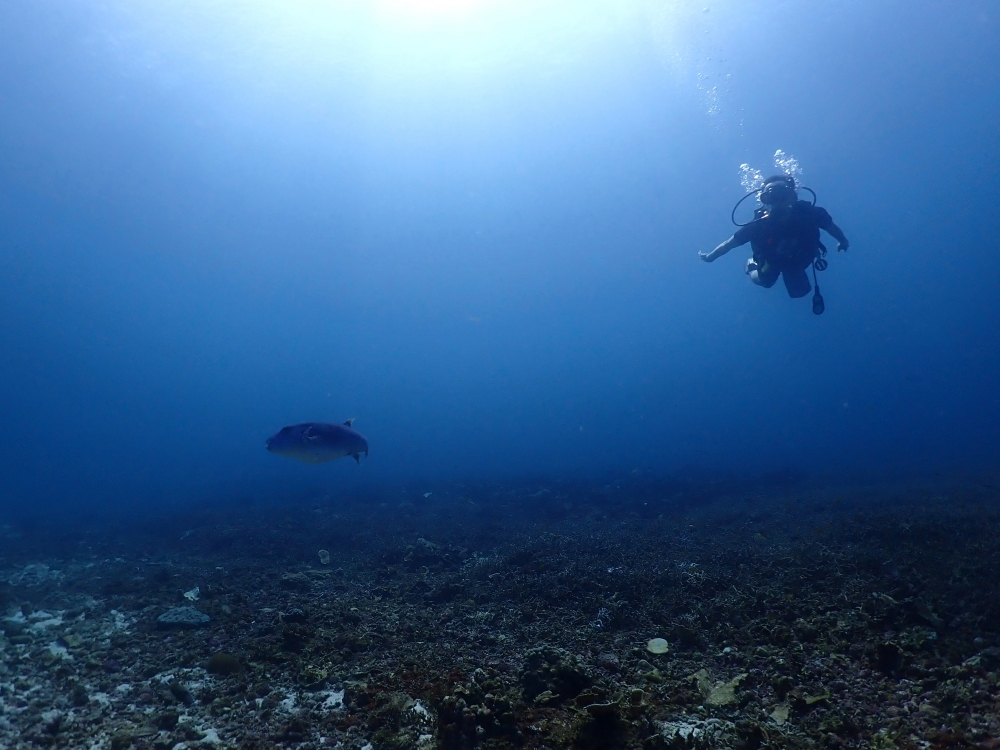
x=796, y=282
x=761, y=275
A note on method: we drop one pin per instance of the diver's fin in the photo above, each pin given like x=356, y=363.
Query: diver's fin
x=357, y=457
x=349, y=422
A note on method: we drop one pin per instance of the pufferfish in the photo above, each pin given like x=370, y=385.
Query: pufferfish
x=316, y=442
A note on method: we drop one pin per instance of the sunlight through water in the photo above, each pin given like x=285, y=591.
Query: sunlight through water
x=307, y=43
x=434, y=8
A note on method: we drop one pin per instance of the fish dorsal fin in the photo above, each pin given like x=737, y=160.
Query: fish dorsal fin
x=349, y=422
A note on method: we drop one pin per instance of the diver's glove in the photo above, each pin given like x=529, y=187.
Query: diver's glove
x=843, y=246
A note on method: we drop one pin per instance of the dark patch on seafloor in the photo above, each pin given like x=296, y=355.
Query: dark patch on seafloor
x=516, y=617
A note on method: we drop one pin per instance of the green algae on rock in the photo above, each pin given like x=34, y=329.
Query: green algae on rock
x=657, y=646
x=717, y=693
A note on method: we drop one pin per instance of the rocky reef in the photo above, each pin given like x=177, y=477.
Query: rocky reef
x=520, y=616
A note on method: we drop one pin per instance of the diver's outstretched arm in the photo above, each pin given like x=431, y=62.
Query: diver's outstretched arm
x=722, y=249
x=838, y=234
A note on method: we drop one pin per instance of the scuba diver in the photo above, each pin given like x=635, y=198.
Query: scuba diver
x=784, y=235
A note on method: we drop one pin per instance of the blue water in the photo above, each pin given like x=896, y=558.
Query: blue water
x=473, y=227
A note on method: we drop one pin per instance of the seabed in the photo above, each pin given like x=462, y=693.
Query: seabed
x=515, y=616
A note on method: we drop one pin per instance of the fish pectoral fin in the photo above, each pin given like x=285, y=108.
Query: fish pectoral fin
x=349, y=422
x=357, y=457
x=311, y=437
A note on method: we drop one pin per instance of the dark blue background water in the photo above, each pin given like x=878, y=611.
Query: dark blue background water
x=476, y=232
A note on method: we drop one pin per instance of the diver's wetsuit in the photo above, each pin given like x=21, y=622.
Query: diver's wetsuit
x=785, y=242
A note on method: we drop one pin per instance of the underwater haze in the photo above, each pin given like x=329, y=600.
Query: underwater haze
x=474, y=227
